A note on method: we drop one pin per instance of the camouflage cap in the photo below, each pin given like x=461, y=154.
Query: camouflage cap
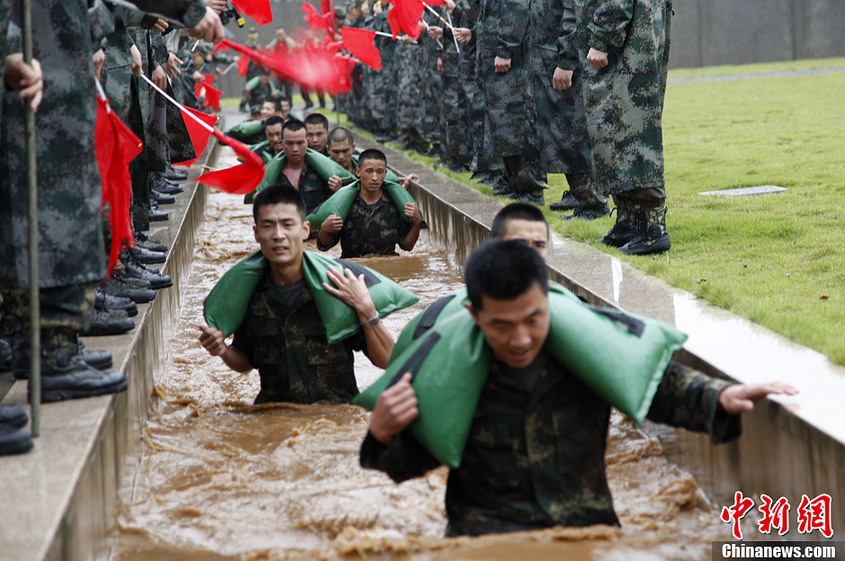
x=204, y=48
x=339, y=13
x=252, y=29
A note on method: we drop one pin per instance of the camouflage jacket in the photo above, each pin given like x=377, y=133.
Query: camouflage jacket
x=624, y=100
x=370, y=229
x=534, y=457
x=189, y=12
x=284, y=338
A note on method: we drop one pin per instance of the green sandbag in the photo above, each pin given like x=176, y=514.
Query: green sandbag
x=621, y=357
x=325, y=168
x=227, y=303
x=390, y=175
x=246, y=129
x=342, y=200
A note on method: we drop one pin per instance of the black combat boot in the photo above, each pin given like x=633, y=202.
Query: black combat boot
x=653, y=236
x=566, y=202
x=135, y=269
x=591, y=205
x=147, y=256
x=14, y=438
x=64, y=375
x=137, y=290
x=5, y=354
x=627, y=224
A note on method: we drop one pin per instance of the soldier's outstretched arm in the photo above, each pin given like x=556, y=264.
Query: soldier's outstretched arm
x=212, y=340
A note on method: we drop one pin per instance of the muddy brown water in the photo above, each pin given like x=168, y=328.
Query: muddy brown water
x=221, y=479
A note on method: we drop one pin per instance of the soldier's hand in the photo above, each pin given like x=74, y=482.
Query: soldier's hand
x=412, y=212
x=352, y=291
x=28, y=79
x=173, y=63
x=216, y=5
x=463, y=35
x=440, y=65
x=596, y=58
x=435, y=32
x=406, y=181
x=395, y=409
x=332, y=224
x=197, y=77
x=740, y=398
x=159, y=77
x=335, y=183
x=212, y=340
x=501, y=65
x=137, y=62
x=562, y=79
x=99, y=59
x=209, y=28
x=161, y=25
x=450, y=5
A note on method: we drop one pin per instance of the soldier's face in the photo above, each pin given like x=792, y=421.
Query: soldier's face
x=280, y=232
x=268, y=109
x=372, y=173
x=515, y=329
x=285, y=110
x=295, y=145
x=341, y=152
x=274, y=136
x=532, y=232
x=317, y=137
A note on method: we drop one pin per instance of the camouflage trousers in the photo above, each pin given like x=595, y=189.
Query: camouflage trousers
x=62, y=308
x=454, y=121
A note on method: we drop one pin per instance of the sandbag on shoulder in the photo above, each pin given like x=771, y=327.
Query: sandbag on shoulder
x=246, y=130
x=340, y=202
x=325, y=168
x=227, y=303
x=621, y=357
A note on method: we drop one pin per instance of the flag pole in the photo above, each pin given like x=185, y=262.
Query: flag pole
x=205, y=125
x=32, y=211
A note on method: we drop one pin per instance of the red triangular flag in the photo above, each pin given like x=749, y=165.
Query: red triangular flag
x=240, y=179
x=209, y=78
x=212, y=95
x=198, y=133
x=243, y=65
x=359, y=42
x=314, y=19
x=405, y=16
x=259, y=10
x=116, y=146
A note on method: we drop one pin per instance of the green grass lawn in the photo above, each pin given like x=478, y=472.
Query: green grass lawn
x=778, y=260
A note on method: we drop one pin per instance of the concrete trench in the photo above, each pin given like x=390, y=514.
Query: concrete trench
x=59, y=502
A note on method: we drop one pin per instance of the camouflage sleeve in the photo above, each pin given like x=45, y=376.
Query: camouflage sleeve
x=512, y=26
x=567, y=43
x=189, y=12
x=608, y=28
x=101, y=21
x=404, y=458
x=158, y=50
x=333, y=239
x=689, y=399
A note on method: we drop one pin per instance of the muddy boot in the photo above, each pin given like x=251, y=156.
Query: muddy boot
x=653, y=237
x=626, y=227
x=591, y=205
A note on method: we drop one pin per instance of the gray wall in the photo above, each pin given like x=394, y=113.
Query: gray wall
x=716, y=32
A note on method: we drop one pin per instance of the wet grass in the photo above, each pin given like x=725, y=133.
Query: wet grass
x=778, y=260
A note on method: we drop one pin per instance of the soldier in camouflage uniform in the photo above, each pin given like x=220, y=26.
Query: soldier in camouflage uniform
x=560, y=124
x=534, y=456
x=622, y=48
x=373, y=225
x=431, y=89
x=409, y=98
x=502, y=68
x=71, y=248
x=282, y=334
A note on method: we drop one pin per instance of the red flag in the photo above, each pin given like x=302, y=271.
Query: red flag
x=243, y=65
x=405, y=16
x=212, y=95
x=209, y=78
x=199, y=134
x=116, y=146
x=240, y=179
x=359, y=42
x=315, y=20
x=259, y=10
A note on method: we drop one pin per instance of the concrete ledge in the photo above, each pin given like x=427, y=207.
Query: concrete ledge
x=59, y=502
x=791, y=446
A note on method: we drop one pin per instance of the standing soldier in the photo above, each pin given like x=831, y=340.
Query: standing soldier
x=623, y=52
x=502, y=69
x=559, y=123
